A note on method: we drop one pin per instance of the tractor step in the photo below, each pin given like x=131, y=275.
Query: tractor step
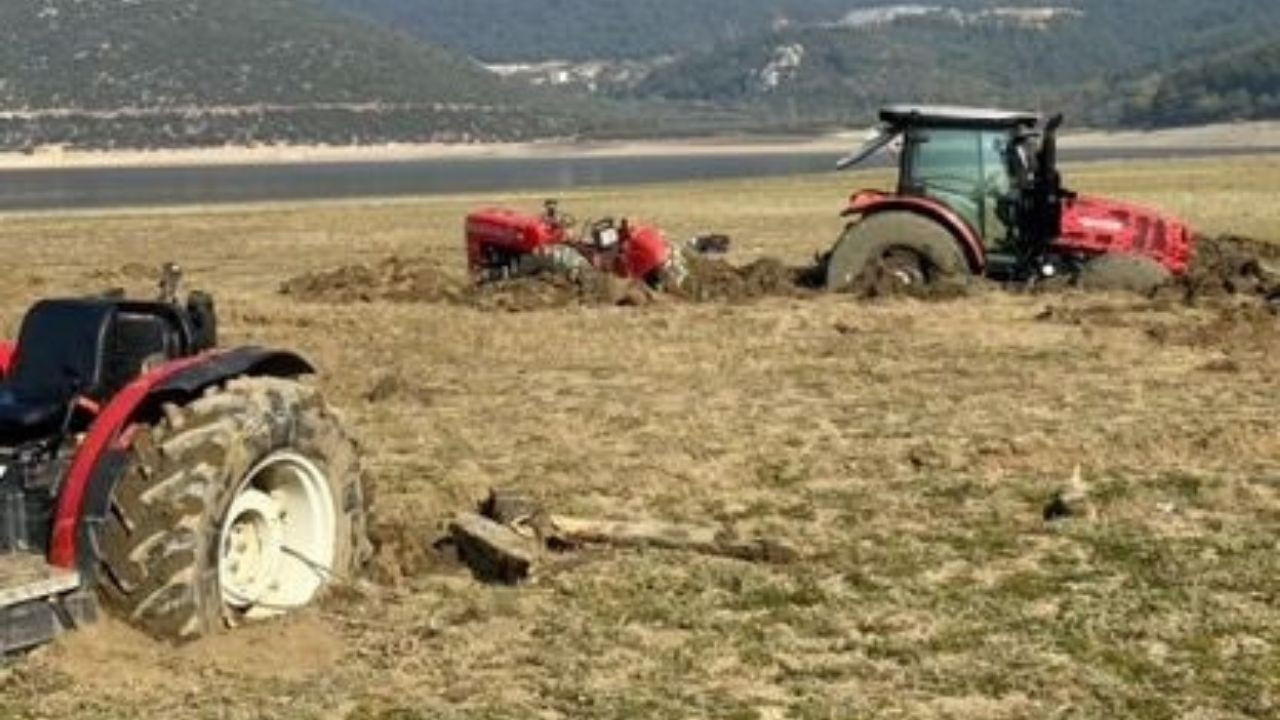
x=38, y=602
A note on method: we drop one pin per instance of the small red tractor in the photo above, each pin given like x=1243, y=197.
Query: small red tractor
x=503, y=243
x=185, y=487
x=979, y=194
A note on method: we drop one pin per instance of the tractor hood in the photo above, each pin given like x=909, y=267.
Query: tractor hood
x=1095, y=225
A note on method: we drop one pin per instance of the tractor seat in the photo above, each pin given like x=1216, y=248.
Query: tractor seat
x=23, y=419
x=60, y=356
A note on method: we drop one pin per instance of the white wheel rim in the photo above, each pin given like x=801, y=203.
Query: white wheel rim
x=277, y=542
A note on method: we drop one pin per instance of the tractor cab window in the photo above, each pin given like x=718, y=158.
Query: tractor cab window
x=966, y=170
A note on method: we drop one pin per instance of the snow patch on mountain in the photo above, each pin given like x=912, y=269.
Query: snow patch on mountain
x=1039, y=18
x=590, y=75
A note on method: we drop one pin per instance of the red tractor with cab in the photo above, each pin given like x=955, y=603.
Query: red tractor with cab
x=183, y=486
x=979, y=194
x=504, y=243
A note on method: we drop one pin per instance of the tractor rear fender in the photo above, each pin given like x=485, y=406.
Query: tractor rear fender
x=865, y=203
x=6, y=357
x=96, y=467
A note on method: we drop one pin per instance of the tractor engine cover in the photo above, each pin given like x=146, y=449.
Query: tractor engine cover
x=645, y=253
x=1096, y=226
x=497, y=237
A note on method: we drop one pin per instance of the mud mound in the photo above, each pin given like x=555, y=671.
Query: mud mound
x=1229, y=265
x=551, y=290
x=418, y=280
x=394, y=279
x=719, y=280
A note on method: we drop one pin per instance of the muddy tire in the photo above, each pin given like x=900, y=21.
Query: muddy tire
x=1121, y=272
x=899, y=246
x=244, y=504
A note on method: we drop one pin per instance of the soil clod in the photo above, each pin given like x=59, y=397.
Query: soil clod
x=1229, y=265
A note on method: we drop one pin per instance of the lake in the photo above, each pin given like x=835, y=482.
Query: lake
x=98, y=188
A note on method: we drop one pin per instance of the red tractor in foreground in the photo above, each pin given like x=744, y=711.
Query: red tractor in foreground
x=503, y=243
x=979, y=194
x=188, y=488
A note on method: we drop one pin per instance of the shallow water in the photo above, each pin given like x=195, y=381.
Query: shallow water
x=90, y=188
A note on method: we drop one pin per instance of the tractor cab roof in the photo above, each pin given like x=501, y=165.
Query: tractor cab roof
x=898, y=119
x=902, y=116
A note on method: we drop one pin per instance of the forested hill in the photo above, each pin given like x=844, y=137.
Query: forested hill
x=1086, y=56
x=163, y=72
x=1235, y=85
x=531, y=30
x=833, y=61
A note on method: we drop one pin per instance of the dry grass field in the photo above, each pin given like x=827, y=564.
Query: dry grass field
x=908, y=448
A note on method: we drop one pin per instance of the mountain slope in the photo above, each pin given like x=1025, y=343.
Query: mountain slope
x=840, y=72
x=107, y=53
x=531, y=30
x=834, y=60
x=198, y=71
x=1235, y=85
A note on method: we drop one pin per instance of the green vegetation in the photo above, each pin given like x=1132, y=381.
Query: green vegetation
x=525, y=30
x=210, y=72
x=152, y=73
x=1105, y=61
x=1237, y=85
x=1085, y=63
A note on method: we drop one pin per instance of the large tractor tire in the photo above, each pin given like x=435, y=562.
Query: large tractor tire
x=242, y=505
x=904, y=249
x=1123, y=272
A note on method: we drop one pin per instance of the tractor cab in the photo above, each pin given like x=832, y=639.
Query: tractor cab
x=986, y=166
x=979, y=193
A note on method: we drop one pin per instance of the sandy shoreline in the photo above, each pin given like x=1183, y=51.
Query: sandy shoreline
x=316, y=154
x=1259, y=134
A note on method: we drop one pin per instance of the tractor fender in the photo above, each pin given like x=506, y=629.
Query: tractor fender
x=98, y=462
x=865, y=203
x=6, y=357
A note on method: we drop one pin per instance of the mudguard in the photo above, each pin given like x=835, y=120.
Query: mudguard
x=6, y=357
x=98, y=461
x=870, y=202
x=646, y=251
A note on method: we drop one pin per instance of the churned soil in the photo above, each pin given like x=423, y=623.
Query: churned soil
x=1230, y=265
x=394, y=279
x=1225, y=266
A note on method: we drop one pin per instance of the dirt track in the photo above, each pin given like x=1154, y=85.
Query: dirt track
x=908, y=447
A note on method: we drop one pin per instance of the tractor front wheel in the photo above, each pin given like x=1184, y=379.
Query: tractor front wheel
x=1123, y=272
x=904, y=249
x=242, y=505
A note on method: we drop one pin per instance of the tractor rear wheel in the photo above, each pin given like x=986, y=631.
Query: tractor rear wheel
x=1123, y=272
x=908, y=250
x=242, y=505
